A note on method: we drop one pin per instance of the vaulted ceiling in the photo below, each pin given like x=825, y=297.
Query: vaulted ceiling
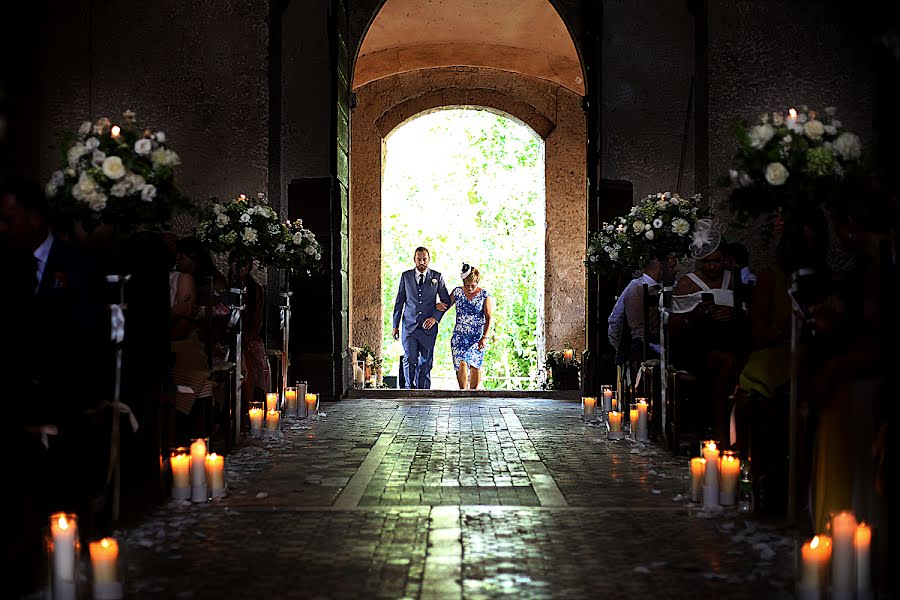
x=521, y=36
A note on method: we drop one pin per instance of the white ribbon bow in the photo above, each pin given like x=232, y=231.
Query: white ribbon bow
x=117, y=324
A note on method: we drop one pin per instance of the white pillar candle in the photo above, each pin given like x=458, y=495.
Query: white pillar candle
x=271, y=401
x=290, y=401
x=815, y=555
x=272, y=420
x=104, y=559
x=199, y=491
x=607, y=398
x=312, y=404
x=633, y=419
x=729, y=469
x=643, y=428
x=256, y=421
x=615, y=426
x=181, y=470
x=697, y=468
x=711, y=475
x=589, y=407
x=843, y=556
x=64, y=532
x=215, y=472
x=359, y=376
x=301, y=398
x=862, y=542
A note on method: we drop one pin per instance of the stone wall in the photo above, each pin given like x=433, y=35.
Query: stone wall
x=553, y=112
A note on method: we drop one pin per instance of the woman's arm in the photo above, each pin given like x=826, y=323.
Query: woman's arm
x=488, y=311
x=184, y=297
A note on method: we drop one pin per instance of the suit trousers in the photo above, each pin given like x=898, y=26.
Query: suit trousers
x=418, y=347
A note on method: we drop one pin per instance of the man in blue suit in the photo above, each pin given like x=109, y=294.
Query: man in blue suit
x=416, y=306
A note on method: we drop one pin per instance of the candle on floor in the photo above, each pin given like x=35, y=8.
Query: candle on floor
x=256, y=419
x=607, y=392
x=697, y=467
x=312, y=405
x=615, y=404
x=615, y=426
x=862, y=542
x=271, y=401
x=64, y=547
x=843, y=554
x=301, y=398
x=104, y=556
x=198, y=471
x=568, y=355
x=180, y=462
x=290, y=402
x=729, y=469
x=272, y=420
x=815, y=555
x=643, y=426
x=589, y=407
x=711, y=474
x=215, y=472
x=633, y=420
x=359, y=375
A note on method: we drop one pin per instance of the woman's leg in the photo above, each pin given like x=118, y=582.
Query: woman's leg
x=474, y=378
x=462, y=375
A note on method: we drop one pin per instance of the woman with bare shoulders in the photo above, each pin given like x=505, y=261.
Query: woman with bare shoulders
x=474, y=307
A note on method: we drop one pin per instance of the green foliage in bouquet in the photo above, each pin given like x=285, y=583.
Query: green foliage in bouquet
x=117, y=174
x=787, y=163
x=661, y=224
x=249, y=229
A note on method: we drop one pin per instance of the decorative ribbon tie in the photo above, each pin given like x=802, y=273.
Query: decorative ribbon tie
x=285, y=316
x=126, y=410
x=117, y=324
x=235, y=315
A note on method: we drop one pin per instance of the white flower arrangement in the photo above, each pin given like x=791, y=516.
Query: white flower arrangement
x=786, y=160
x=111, y=177
x=660, y=225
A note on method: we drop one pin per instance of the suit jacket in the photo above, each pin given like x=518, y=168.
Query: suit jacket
x=414, y=304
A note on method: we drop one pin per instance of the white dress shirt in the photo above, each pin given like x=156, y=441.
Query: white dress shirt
x=41, y=254
x=747, y=276
x=630, y=304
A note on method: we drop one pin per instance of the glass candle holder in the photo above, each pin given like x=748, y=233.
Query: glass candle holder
x=729, y=471
x=107, y=569
x=63, y=548
x=180, y=463
x=588, y=408
x=273, y=423
x=633, y=420
x=301, y=396
x=215, y=475
x=312, y=405
x=271, y=401
x=615, y=426
x=257, y=416
x=606, y=394
x=291, y=402
x=643, y=423
x=199, y=488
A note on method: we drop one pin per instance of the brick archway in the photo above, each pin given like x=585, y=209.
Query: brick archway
x=554, y=112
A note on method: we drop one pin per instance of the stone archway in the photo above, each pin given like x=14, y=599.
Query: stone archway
x=533, y=92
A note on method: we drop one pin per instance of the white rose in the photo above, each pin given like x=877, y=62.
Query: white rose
x=814, y=129
x=848, y=146
x=143, y=146
x=85, y=128
x=97, y=158
x=160, y=137
x=245, y=218
x=218, y=208
x=298, y=238
x=647, y=226
x=638, y=226
x=612, y=255
x=148, y=192
x=649, y=234
x=84, y=188
x=680, y=226
x=830, y=129
x=776, y=173
x=70, y=172
x=164, y=157
x=120, y=189
x=311, y=251
x=76, y=152
x=134, y=180
x=222, y=220
x=249, y=235
x=113, y=167
x=777, y=118
x=92, y=143
x=760, y=135
x=97, y=202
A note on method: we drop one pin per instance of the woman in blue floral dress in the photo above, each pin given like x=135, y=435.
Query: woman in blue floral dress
x=473, y=321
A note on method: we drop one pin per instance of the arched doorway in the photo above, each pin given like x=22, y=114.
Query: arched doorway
x=419, y=55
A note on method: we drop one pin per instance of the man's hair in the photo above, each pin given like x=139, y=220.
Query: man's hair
x=27, y=193
x=422, y=249
x=739, y=253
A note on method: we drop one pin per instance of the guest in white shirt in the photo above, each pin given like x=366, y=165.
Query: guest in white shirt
x=626, y=323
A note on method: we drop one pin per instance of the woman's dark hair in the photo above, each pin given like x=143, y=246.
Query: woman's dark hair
x=194, y=248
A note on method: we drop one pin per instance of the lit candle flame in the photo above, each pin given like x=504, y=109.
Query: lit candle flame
x=814, y=543
x=105, y=542
x=116, y=130
x=703, y=461
x=63, y=524
x=792, y=113
x=711, y=445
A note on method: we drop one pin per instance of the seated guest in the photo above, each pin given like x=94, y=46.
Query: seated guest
x=702, y=324
x=210, y=286
x=740, y=258
x=626, y=322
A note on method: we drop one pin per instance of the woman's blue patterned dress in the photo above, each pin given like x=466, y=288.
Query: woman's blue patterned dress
x=469, y=328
